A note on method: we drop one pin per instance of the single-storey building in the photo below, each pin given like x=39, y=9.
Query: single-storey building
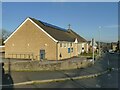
x=35, y=39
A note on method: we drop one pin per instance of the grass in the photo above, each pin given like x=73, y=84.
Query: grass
x=87, y=54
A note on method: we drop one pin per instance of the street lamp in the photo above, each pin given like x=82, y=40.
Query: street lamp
x=99, y=39
x=93, y=48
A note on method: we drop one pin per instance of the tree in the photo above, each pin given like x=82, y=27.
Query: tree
x=5, y=35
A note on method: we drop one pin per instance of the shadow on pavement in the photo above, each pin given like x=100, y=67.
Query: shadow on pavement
x=7, y=80
x=111, y=61
x=74, y=82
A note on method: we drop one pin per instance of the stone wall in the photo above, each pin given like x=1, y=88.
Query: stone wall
x=40, y=66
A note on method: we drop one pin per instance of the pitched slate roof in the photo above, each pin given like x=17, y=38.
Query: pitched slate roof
x=58, y=33
x=75, y=35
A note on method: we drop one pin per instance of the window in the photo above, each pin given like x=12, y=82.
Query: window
x=71, y=44
x=60, y=44
x=71, y=49
x=64, y=44
x=82, y=49
x=68, y=44
x=68, y=50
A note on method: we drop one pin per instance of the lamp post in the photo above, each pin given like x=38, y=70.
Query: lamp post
x=93, y=49
x=99, y=39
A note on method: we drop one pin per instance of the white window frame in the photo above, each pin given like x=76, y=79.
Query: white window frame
x=64, y=45
x=61, y=45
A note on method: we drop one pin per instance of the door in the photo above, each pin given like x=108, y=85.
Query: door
x=42, y=54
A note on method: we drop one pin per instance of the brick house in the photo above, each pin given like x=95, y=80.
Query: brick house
x=114, y=46
x=37, y=40
x=95, y=46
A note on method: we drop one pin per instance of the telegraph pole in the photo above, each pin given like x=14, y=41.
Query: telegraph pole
x=99, y=40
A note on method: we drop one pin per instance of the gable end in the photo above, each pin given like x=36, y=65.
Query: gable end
x=35, y=25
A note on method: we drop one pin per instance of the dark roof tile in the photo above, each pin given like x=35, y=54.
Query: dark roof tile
x=59, y=33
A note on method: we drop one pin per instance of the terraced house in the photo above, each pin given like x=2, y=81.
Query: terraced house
x=35, y=39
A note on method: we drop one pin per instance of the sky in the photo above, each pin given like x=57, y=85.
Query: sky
x=0, y=20
x=60, y=0
x=85, y=17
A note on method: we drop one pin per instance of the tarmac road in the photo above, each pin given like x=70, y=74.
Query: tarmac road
x=109, y=80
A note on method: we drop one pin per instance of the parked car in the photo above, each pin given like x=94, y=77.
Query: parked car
x=111, y=51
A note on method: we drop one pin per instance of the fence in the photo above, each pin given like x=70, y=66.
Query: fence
x=20, y=55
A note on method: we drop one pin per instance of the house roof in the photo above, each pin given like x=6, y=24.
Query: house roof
x=59, y=33
x=90, y=43
x=54, y=32
x=75, y=35
x=114, y=43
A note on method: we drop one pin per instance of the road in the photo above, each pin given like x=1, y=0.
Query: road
x=109, y=80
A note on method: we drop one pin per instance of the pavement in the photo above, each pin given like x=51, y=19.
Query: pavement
x=107, y=60
x=45, y=75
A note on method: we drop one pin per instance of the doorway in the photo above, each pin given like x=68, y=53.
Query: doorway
x=42, y=54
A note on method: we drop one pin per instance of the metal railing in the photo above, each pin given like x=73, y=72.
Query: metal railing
x=20, y=55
